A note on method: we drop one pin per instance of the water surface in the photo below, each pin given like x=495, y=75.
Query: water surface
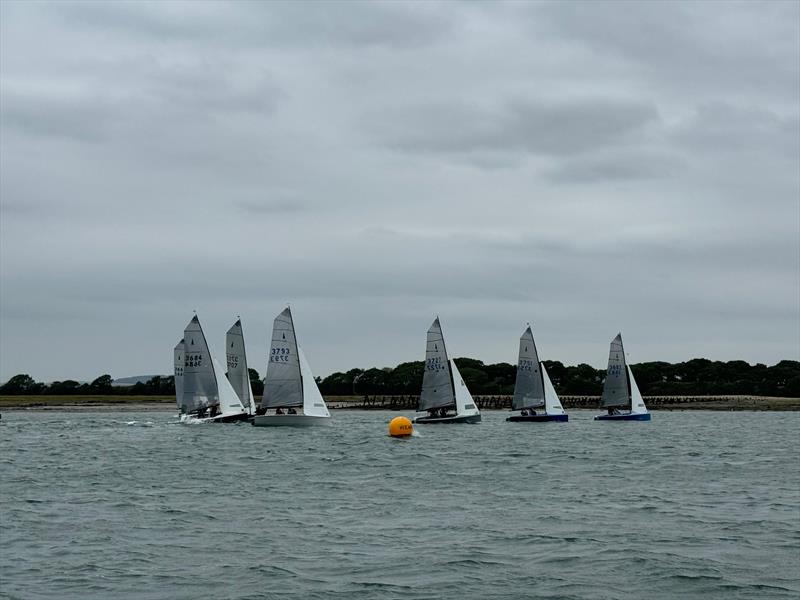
x=134, y=505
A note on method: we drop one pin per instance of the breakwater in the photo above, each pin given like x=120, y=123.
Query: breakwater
x=503, y=402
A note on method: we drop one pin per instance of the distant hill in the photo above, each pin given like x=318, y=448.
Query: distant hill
x=133, y=380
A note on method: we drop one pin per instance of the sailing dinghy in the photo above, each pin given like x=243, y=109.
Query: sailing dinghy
x=620, y=390
x=290, y=390
x=443, y=388
x=208, y=396
x=238, y=373
x=533, y=389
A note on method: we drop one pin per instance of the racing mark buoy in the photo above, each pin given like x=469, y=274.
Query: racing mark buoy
x=400, y=427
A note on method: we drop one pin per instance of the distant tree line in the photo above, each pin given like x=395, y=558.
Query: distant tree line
x=696, y=377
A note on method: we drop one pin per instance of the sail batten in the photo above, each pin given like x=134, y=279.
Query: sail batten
x=437, y=380
x=529, y=385
x=200, y=389
x=615, y=387
x=283, y=386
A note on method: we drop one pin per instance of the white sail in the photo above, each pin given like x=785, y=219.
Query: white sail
x=615, y=387
x=465, y=404
x=529, y=385
x=283, y=384
x=552, y=405
x=178, y=362
x=200, y=386
x=229, y=403
x=313, y=403
x=238, y=373
x=637, y=402
x=437, y=383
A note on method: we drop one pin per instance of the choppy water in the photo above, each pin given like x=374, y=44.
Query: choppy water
x=130, y=505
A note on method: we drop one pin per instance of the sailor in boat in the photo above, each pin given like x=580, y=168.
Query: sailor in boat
x=524, y=412
x=278, y=411
x=292, y=411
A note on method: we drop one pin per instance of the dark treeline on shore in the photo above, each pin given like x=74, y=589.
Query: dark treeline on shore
x=696, y=377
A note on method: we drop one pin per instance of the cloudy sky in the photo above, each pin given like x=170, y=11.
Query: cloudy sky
x=588, y=167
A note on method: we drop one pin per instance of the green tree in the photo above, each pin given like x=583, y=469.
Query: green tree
x=101, y=385
x=256, y=383
x=21, y=384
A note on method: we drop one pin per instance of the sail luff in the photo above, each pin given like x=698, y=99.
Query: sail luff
x=529, y=384
x=615, y=386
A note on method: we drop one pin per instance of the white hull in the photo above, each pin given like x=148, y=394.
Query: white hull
x=193, y=420
x=289, y=420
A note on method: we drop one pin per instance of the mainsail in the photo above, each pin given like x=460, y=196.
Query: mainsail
x=529, y=387
x=238, y=373
x=178, y=356
x=199, y=380
x=615, y=388
x=283, y=386
x=437, y=382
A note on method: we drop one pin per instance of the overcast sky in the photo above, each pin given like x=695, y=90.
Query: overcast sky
x=588, y=167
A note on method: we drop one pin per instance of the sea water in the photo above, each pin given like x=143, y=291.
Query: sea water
x=135, y=505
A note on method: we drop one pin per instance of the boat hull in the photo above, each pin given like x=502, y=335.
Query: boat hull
x=453, y=419
x=538, y=418
x=288, y=420
x=218, y=419
x=624, y=417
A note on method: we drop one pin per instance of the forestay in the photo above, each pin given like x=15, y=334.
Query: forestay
x=178, y=356
x=529, y=385
x=437, y=382
x=236, y=357
x=283, y=386
x=200, y=388
x=615, y=388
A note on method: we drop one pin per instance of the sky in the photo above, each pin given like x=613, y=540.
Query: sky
x=588, y=167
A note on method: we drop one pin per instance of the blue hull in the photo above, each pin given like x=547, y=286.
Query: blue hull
x=453, y=419
x=538, y=418
x=623, y=417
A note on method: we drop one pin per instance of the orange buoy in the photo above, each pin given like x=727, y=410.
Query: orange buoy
x=400, y=427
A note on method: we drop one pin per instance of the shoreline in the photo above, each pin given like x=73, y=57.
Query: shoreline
x=749, y=405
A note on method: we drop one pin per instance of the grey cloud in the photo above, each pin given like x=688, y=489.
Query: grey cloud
x=693, y=45
x=333, y=23
x=272, y=207
x=726, y=127
x=589, y=167
x=615, y=166
x=531, y=127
